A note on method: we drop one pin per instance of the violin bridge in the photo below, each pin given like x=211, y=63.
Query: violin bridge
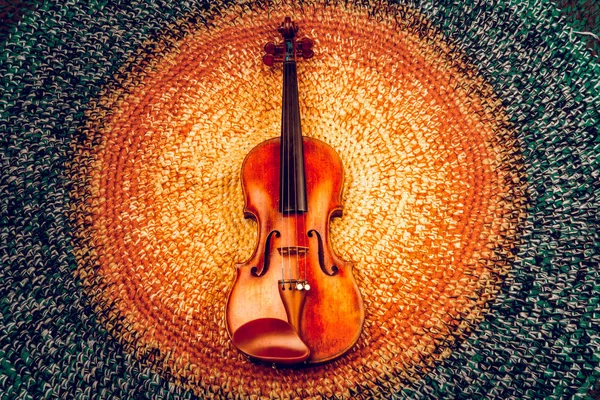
x=294, y=284
x=293, y=250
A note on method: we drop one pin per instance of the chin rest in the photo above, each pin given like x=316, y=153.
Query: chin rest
x=271, y=340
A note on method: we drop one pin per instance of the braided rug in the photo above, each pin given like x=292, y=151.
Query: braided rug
x=469, y=137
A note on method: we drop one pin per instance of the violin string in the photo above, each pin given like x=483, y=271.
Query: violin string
x=302, y=214
x=285, y=178
x=294, y=126
x=289, y=175
x=302, y=232
x=294, y=98
x=299, y=214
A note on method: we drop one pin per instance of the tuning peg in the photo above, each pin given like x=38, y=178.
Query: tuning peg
x=305, y=44
x=306, y=54
x=270, y=48
x=269, y=59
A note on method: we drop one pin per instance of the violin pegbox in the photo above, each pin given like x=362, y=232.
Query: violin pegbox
x=280, y=52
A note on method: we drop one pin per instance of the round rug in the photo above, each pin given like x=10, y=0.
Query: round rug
x=469, y=140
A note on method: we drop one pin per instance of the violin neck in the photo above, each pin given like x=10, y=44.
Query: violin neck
x=292, y=196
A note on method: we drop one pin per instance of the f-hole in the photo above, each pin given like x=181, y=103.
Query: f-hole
x=334, y=269
x=254, y=270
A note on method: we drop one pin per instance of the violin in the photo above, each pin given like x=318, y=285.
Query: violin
x=294, y=301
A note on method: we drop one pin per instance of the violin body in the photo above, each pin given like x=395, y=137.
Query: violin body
x=294, y=301
x=333, y=313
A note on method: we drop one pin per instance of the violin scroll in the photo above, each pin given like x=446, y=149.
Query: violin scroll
x=288, y=29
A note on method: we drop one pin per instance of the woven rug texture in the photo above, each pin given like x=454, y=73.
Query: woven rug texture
x=469, y=136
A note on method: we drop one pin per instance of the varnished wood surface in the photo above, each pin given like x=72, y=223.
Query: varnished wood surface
x=333, y=313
